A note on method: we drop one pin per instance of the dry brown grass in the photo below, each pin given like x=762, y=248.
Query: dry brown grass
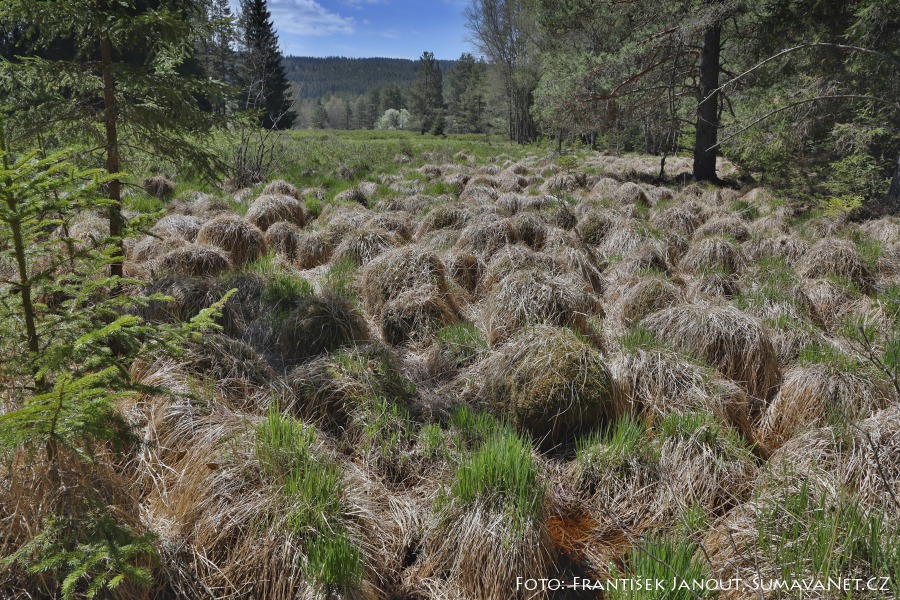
x=631, y=193
x=632, y=298
x=363, y=245
x=269, y=209
x=736, y=344
x=353, y=194
x=396, y=221
x=182, y=227
x=836, y=257
x=595, y=225
x=193, y=260
x=158, y=186
x=713, y=253
x=402, y=270
x=532, y=297
x=485, y=237
x=318, y=325
x=198, y=204
x=714, y=285
x=243, y=241
x=788, y=247
x=726, y=225
x=314, y=248
x=415, y=315
x=441, y=217
x=283, y=238
x=283, y=188
x=677, y=218
x=812, y=395
x=512, y=259
x=655, y=383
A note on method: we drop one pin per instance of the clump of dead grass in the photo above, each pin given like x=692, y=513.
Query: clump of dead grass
x=532, y=297
x=550, y=381
x=736, y=344
x=269, y=209
x=193, y=260
x=243, y=241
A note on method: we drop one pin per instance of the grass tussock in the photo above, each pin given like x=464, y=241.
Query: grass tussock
x=194, y=260
x=269, y=209
x=738, y=346
x=533, y=297
x=243, y=241
x=551, y=382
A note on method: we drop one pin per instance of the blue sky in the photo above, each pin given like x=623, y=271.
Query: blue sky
x=360, y=28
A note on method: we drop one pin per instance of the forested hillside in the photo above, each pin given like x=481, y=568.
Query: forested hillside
x=320, y=77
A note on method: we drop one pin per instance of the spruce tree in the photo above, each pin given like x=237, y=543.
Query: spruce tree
x=115, y=78
x=265, y=80
x=428, y=91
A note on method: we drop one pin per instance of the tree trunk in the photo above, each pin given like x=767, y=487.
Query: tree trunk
x=893, y=195
x=113, y=162
x=708, y=111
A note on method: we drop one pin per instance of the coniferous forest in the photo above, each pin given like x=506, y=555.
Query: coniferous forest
x=607, y=306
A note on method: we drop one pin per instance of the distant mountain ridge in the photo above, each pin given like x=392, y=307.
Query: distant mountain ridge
x=319, y=77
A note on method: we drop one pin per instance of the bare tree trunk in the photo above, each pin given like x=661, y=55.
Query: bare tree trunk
x=113, y=162
x=708, y=109
x=893, y=195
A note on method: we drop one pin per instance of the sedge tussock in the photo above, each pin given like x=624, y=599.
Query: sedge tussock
x=283, y=188
x=551, y=382
x=813, y=395
x=678, y=218
x=633, y=298
x=194, y=260
x=730, y=226
x=788, y=247
x=269, y=209
x=734, y=343
x=183, y=227
x=243, y=241
x=314, y=248
x=838, y=257
x=396, y=221
x=282, y=238
x=533, y=297
x=713, y=253
x=363, y=245
x=485, y=237
x=655, y=383
x=158, y=186
x=401, y=270
x=441, y=217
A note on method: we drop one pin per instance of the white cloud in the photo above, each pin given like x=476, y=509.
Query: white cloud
x=308, y=18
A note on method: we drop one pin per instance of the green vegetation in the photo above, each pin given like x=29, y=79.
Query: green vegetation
x=312, y=483
x=501, y=474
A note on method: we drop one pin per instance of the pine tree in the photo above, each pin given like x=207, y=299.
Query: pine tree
x=266, y=87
